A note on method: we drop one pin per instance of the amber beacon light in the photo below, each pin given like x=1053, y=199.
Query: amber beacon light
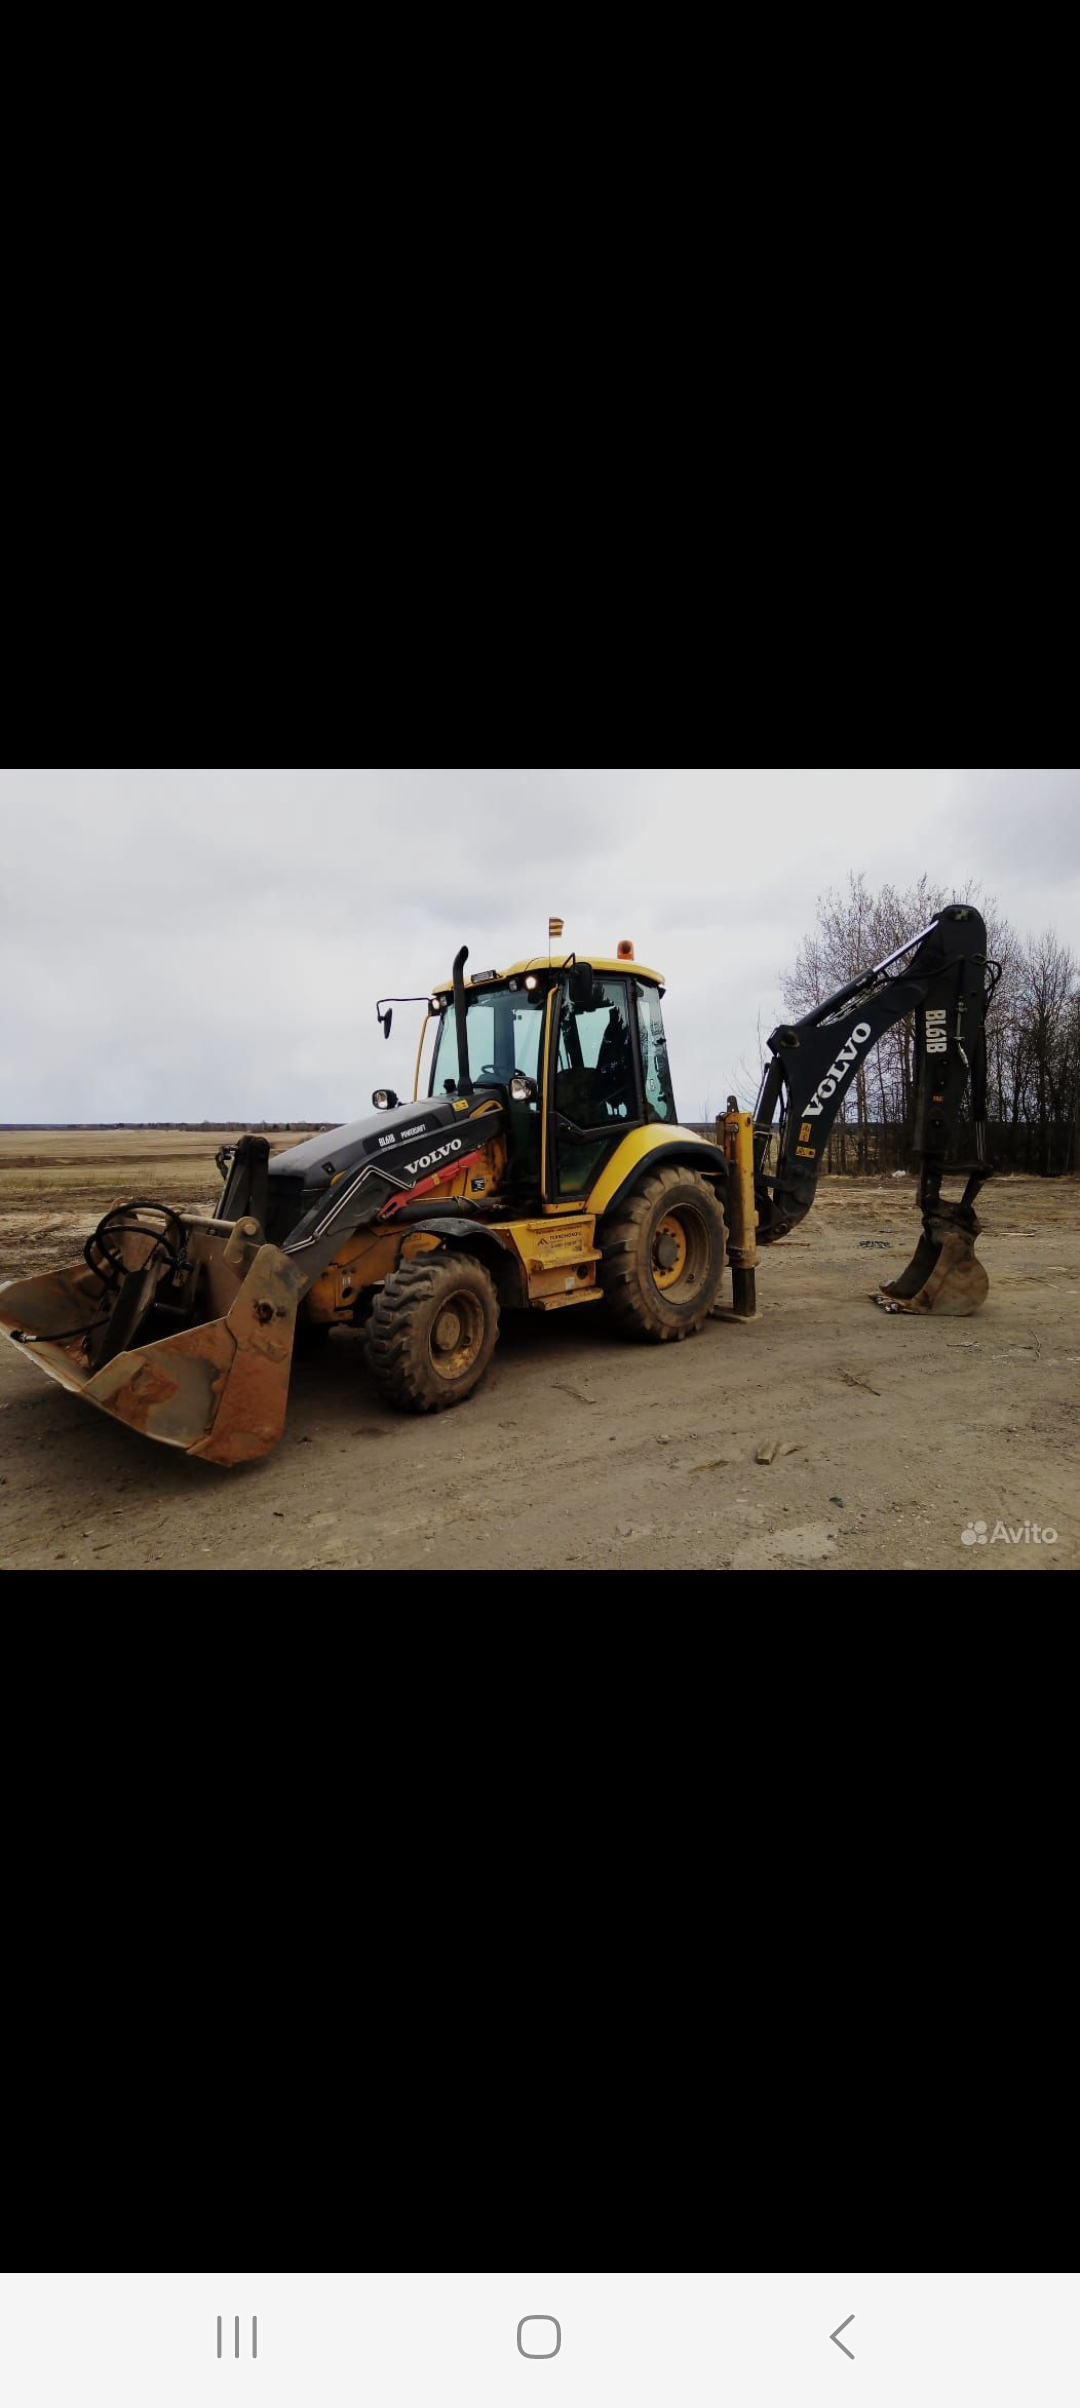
x=626, y=950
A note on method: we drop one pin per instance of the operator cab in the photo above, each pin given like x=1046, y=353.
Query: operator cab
x=577, y=1055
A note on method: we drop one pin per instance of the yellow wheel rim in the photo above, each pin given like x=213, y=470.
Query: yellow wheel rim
x=456, y=1335
x=669, y=1251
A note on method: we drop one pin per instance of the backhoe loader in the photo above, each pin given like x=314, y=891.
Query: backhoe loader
x=544, y=1168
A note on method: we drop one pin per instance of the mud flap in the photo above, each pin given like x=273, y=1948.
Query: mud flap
x=944, y=1274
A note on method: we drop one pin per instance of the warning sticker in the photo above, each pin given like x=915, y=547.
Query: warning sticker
x=804, y=1133
x=808, y=1153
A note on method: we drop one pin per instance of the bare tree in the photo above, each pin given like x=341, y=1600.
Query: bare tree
x=1033, y=1027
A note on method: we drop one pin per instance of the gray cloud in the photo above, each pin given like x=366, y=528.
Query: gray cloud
x=190, y=944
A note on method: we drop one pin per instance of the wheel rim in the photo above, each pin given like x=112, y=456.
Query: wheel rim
x=680, y=1253
x=456, y=1335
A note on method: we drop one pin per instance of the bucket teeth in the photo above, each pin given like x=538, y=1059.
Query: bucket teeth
x=944, y=1274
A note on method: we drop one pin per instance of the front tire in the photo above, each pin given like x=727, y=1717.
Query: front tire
x=432, y=1332
x=663, y=1257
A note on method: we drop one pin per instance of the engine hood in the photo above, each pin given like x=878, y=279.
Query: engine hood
x=332, y=1184
x=393, y=1134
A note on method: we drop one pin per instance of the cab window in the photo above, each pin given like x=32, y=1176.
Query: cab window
x=596, y=1095
x=504, y=1031
x=595, y=1079
x=656, y=1077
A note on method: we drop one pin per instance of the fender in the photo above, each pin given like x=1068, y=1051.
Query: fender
x=694, y=1153
x=461, y=1236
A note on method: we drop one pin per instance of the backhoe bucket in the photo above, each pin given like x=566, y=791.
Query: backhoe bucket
x=944, y=1275
x=216, y=1386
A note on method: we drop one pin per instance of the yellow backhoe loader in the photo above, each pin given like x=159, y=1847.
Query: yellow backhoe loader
x=544, y=1168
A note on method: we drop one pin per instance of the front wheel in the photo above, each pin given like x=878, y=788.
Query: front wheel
x=432, y=1332
x=663, y=1257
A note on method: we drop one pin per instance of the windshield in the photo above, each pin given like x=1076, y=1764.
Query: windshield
x=505, y=1033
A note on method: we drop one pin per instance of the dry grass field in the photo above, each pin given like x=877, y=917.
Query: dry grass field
x=56, y=1183
x=893, y=1436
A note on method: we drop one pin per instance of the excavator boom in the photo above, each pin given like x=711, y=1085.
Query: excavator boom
x=946, y=980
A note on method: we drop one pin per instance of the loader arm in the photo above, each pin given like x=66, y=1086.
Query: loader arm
x=183, y=1326
x=947, y=981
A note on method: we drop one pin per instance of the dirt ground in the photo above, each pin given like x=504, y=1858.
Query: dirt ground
x=580, y=1452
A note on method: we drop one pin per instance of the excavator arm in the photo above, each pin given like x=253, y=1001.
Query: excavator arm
x=947, y=981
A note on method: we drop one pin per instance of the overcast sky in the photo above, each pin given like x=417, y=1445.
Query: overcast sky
x=191, y=944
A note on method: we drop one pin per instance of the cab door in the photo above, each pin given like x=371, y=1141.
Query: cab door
x=596, y=1083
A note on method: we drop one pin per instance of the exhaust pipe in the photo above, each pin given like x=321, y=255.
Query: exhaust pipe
x=465, y=1086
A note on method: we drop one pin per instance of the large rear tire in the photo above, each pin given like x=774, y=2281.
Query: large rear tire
x=432, y=1332
x=663, y=1257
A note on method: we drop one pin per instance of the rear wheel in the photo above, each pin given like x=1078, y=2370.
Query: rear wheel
x=432, y=1332
x=663, y=1257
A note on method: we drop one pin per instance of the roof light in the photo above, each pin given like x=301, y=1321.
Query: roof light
x=531, y=981
x=626, y=950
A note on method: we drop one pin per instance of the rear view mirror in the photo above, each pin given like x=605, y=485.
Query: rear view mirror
x=387, y=1018
x=581, y=987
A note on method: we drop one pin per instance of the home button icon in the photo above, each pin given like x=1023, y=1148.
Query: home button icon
x=539, y=2353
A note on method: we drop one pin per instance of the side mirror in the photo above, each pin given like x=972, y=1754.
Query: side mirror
x=384, y=1099
x=387, y=1018
x=522, y=1089
x=581, y=987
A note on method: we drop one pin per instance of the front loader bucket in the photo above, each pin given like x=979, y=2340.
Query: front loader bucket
x=944, y=1274
x=217, y=1387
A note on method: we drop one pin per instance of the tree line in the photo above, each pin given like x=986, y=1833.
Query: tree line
x=1032, y=1030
